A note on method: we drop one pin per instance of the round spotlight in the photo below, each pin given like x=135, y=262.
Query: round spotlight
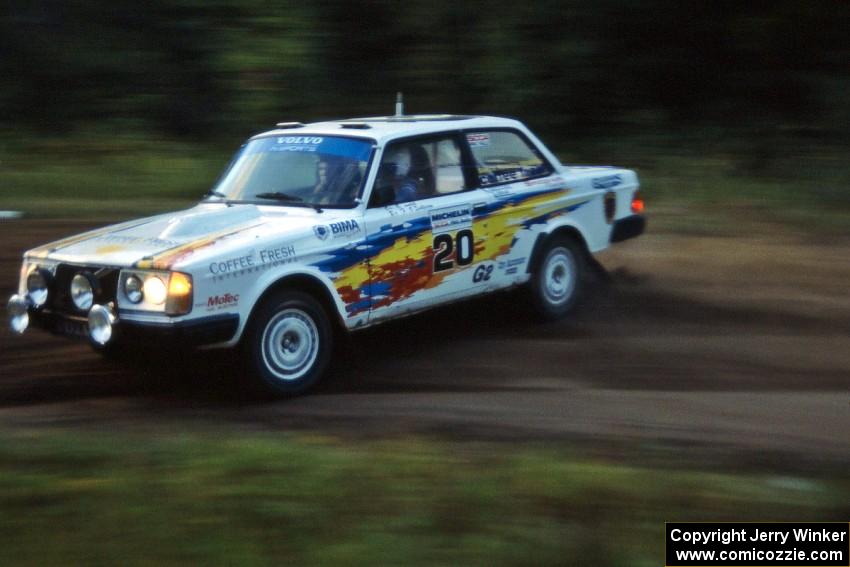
x=133, y=289
x=82, y=292
x=101, y=322
x=37, y=287
x=19, y=318
x=155, y=290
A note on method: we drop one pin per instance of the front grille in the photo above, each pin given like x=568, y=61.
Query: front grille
x=60, y=292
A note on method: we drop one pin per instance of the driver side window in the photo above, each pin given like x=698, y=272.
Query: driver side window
x=418, y=169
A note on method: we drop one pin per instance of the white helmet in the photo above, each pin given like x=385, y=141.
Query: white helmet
x=401, y=158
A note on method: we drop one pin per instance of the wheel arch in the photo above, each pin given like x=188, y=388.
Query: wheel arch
x=544, y=239
x=300, y=281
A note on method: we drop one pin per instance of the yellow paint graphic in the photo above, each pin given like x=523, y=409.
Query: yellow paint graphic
x=109, y=249
x=165, y=260
x=44, y=251
x=502, y=226
x=407, y=265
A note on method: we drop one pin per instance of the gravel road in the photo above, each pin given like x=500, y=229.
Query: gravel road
x=732, y=347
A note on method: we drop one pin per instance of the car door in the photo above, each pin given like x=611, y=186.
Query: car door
x=420, y=225
x=525, y=192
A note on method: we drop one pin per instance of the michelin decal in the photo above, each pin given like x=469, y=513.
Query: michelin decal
x=450, y=219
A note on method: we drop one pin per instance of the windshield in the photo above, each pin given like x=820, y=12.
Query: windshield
x=297, y=170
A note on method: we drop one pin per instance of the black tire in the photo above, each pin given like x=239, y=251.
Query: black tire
x=287, y=345
x=556, y=282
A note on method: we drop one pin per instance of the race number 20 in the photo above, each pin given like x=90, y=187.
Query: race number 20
x=461, y=244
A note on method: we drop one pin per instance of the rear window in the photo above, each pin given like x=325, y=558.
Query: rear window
x=504, y=157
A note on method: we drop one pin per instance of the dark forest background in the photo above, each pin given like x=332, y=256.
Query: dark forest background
x=759, y=87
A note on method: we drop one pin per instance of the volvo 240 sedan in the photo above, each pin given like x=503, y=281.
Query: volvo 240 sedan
x=335, y=226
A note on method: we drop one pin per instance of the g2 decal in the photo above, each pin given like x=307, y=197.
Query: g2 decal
x=482, y=273
x=444, y=245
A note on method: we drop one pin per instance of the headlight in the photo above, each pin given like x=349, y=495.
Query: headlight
x=133, y=289
x=38, y=284
x=26, y=283
x=82, y=291
x=155, y=291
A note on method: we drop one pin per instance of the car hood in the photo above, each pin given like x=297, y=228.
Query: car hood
x=165, y=240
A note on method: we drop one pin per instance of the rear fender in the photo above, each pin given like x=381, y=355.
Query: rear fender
x=565, y=228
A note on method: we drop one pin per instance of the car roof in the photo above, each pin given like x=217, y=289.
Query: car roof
x=385, y=128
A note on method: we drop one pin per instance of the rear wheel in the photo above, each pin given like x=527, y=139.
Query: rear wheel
x=287, y=345
x=555, y=285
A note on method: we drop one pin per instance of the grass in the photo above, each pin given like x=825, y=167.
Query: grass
x=703, y=192
x=94, y=176
x=255, y=499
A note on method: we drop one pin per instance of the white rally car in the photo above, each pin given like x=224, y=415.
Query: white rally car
x=335, y=226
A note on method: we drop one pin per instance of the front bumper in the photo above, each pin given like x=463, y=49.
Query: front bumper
x=192, y=332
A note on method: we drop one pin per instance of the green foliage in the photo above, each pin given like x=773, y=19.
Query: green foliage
x=258, y=500
x=103, y=174
x=571, y=68
x=121, y=108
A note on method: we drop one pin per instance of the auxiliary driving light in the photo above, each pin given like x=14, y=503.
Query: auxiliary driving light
x=37, y=287
x=82, y=291
x=19, y=318
x=101, y=323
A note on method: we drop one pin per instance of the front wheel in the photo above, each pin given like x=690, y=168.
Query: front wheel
x=287, y=344
x=556, y=282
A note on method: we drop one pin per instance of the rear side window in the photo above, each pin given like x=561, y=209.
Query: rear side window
x=504, y=157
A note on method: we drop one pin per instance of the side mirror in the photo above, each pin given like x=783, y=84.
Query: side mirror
x=382, y=195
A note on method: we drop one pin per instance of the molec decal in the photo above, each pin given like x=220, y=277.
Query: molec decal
x=221, y=301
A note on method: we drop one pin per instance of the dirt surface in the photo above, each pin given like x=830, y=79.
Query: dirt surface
x=730, y=348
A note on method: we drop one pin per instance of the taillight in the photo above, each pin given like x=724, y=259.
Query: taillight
x=637, y=203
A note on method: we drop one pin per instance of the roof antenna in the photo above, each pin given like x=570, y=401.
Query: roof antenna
x=399, y=105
